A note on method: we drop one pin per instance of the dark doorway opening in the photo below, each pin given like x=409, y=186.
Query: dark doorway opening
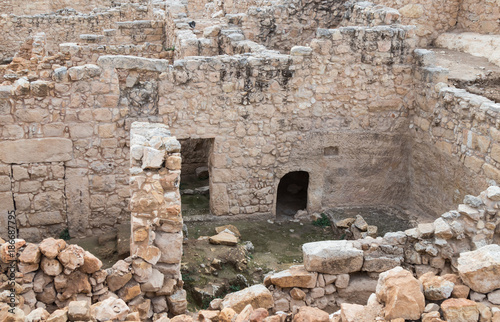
x=195, y=176
x=292, y=194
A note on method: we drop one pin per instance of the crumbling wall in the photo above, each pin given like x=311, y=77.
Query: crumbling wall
x=291, y=23
x=481, y=17
x=205, y=9
x=455, y=140
x=68, y=25
x=36, y=7
x=431, y=17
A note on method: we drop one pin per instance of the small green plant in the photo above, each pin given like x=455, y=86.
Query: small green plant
x=169, y=48
x=65, y=234
x=234, y=288
x=324, y=221
x=186, y=277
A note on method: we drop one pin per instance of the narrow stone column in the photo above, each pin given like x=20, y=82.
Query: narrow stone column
x=155, y=204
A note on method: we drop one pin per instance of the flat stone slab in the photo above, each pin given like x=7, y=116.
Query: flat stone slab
x=332, y=257
x=295, y=276
x=224, y=238
x=36, y=150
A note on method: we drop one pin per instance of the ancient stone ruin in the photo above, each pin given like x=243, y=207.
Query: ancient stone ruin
x=283, y=109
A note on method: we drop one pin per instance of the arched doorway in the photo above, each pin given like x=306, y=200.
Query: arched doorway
x=292, y=194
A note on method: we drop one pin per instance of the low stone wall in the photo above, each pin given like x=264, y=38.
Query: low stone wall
x=461, y=242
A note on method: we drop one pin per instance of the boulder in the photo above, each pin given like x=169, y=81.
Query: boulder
x=436, y=288
x=244, y=315
x=51, y=247
x=479, y=269
x=7, y=253
x=295, y=276
x=311, y=314
x=352, y=312
x=332, y=257
x=154, y=283
x=460, y=310
x=401, y=293
x=360, y=223
x=257, y=295
x=72, y=257
x=31, y=254
x=258, y=315
x=227, y=315
x=51, y=267
x=91, y=264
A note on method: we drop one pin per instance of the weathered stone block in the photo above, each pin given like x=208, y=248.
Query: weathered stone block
x=332, y=257
x=36, y=150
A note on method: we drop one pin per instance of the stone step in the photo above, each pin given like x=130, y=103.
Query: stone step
x=90, y=38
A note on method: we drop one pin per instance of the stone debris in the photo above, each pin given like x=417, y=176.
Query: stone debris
x=224, y=238
x=257, y=295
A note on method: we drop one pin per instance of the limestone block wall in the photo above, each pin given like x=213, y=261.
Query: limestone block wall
x=68, y=25
x=287, y=24
x=481, y=17
x=47, y=6
x=431, y=17
x=456, y=143
x=203, y=8
x=267, y=114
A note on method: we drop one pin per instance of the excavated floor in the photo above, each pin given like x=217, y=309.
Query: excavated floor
x=474, y=74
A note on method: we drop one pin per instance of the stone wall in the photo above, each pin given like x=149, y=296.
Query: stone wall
x=455, y=146
x=268, y=114
x=30, y=8
x=205, y=9
x=431, y=17
x=336, y=272
x=68, y=25
x=283, y=26
x=481, y=17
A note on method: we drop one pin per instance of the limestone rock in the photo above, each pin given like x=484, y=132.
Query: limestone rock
x=72, y=257
x=224, y=238
x=493, y=193
x=51, y=247
x=6, y=252
x=31, y=254
x=118, y=275
x=110, y=309
x=226, y=315
x=231, y=228
x=479, y=269
x=297, y=294
x=182, y=318
x=154, y=283
x=257, y=295
x=311, y=314
x=352, y=312
x=129, y=291
x=360, y=223
x=91, y=264
x=39, y=314
x=177, y=302
x=142, y=270
x=79, y=311
x=332, y=257
x=460, y=310
x=244, y=315
x=59, y=315
x=210, y=315
x=51, y=267
x=295, y=276
x=401, y=293
x=436, y=287
x=258, y=315
x=460, y=291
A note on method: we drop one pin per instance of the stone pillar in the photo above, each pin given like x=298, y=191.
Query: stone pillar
x=155, y=206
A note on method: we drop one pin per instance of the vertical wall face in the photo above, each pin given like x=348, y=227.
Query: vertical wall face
x=480, y=16
x=155, y=204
